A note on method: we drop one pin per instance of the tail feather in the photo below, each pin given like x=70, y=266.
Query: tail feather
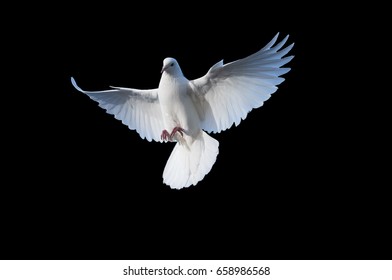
x=189, y=163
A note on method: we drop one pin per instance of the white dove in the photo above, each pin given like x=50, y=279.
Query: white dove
x=181, y=110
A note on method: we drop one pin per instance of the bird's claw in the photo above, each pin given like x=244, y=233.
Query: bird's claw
x=177, y=129
x=165, y=136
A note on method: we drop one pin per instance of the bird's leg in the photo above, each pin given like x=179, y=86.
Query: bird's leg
x=169, y=136
x=176, y=129
x=165, y=135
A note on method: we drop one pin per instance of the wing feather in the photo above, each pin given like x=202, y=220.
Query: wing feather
x=138, y=109
x=228, y=92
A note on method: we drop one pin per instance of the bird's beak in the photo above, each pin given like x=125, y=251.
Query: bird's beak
x=163, y=68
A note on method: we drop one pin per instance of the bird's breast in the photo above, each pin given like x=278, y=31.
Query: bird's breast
x=170, y=93
x=176, y=105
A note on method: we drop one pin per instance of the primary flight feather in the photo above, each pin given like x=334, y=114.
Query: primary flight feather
x=181, y=110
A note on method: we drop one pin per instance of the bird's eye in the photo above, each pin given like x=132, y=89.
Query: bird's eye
x=172, y=64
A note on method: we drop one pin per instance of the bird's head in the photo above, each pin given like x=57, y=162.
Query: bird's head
x=171, y=66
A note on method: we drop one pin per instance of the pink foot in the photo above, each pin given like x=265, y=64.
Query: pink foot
x=176, y=129
x=165, y=135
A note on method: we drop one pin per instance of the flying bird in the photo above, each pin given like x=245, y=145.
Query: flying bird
x=183, y=111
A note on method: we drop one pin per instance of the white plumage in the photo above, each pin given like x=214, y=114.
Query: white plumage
x=181, y=110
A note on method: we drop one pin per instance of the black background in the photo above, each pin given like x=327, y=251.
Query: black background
x=298, y=179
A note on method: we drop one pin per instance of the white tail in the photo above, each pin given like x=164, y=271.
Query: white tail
x=190, y=162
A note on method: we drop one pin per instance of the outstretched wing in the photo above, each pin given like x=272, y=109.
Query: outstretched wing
x=228, y=92
x=138, y=109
